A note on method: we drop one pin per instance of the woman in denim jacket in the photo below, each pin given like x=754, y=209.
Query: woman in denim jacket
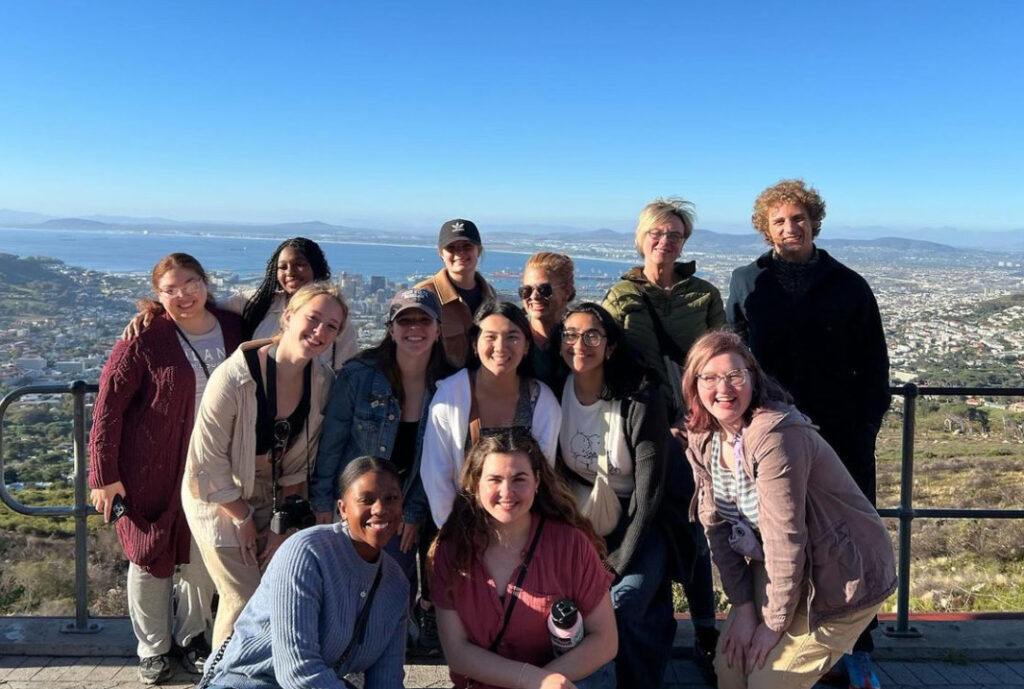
x=379, y=407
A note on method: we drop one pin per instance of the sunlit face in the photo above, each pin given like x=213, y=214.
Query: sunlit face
x=293, y=270
x=792, y=232
x=182, y=293
x=501, y=345
x=315, y=325
x=664, y=241
x=372, y=508
x=580, y=356
x=549, y=310
x=460, y=259
x=726, y=401
x=414, y=332
x=507, y=487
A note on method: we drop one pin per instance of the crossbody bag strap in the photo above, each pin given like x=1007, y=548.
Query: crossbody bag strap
x=518, y=586
x=474, y=413
x=665, y=342
x=202, y=364
x=359, y=630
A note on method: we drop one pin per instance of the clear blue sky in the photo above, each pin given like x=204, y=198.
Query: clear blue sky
x=904, y=114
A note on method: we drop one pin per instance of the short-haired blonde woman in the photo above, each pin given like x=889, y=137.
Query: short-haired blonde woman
x=547, y=287
x=805, y=560
x=662, y=305
x=255, y=439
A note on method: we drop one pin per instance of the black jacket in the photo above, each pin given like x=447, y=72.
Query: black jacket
x=826, y=347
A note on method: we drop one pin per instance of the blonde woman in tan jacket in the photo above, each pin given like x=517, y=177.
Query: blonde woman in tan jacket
x=804, y=558
x=264, y=403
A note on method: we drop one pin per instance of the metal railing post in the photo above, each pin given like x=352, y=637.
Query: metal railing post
x=81, y=625
x=906, y=516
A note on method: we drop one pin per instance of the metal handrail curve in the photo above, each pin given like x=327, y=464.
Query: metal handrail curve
x=905, y=513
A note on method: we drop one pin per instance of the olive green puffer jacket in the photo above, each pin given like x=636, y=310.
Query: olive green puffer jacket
x=689, y=309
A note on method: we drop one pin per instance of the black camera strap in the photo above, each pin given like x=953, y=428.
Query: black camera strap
x=518, y=586
x=359, y=630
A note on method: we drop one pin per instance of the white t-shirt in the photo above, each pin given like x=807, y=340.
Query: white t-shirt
x=210, y=347
x=582, y=438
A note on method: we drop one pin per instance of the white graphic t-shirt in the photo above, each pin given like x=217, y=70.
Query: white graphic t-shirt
x=582, y=439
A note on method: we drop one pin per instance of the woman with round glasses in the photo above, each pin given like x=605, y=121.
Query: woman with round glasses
x=295, y=263
x=149, y=392
x=805, y=560
x=615, y=430
x=254, y=445
x=547, y=288
x=662, y=306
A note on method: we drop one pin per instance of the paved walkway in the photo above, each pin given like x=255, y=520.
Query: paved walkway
x=34, y=672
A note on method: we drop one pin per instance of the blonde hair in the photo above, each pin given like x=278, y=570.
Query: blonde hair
x=660, y=210
x=558, y=266
x=308, y=293
x=788, y=191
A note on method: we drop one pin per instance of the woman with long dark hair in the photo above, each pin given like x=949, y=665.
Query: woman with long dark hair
x=497, y=390
x=149, y=392
x=614, y=450
x=513, y=547
x=331, y=601
x=254, y=446
x=804, y=558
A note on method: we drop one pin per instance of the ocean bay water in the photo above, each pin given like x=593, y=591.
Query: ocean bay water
x=137, y=252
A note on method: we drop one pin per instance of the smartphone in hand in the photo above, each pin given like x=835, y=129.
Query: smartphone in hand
x=118, y=508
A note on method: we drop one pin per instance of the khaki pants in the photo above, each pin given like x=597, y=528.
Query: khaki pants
x=235, y=580
x=801, y=657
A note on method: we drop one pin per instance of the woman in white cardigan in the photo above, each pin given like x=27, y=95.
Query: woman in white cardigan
x=255, y=438
x=497, y=390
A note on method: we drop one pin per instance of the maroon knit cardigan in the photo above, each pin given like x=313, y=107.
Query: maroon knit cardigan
x=141, y=426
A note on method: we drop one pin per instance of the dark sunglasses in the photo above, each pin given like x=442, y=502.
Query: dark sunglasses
x=544, y=291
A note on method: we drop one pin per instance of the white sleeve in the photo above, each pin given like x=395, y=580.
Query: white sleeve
x=439, y=460
x=547, y=421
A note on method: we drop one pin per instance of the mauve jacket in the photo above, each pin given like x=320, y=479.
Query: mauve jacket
x=816, y=526
x=141, y=426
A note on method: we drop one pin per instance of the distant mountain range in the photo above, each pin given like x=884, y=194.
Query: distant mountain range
x=941, y=240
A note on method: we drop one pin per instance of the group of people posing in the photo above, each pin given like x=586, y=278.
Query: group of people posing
x=517, y=484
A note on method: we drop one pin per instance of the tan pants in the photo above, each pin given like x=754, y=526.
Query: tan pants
x=801, y=657
x=235, y=580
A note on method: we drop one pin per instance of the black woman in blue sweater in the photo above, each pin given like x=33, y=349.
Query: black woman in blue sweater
x=331, y=602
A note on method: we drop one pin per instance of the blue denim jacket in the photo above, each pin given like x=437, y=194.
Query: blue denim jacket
x=362, y=418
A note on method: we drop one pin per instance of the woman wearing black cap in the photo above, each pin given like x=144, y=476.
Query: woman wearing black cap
x=460, y=289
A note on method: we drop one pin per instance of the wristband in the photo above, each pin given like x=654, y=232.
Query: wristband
x=239, y=523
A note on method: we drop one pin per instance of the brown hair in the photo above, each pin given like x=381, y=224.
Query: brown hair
x=469, y=525
x=788, y=191
x=558, y=266
x=764, y=389
x=170, y=262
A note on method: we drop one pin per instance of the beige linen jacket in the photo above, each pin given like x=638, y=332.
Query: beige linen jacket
x=821, y=536
x=221, y=461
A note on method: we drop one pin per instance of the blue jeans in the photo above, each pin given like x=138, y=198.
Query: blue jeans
x=644, y=617
x=699, y=586
x=602, y=678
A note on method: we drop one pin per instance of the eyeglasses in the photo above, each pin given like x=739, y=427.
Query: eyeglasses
x=544, y=291
x=189, y=289
x=591, y=338
x=673, y=237
x=735, y=378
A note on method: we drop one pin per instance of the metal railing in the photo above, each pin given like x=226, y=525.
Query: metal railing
x=905, y=513
x=81, y=509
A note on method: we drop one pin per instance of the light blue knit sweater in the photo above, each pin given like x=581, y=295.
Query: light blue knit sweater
x=299, y=621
